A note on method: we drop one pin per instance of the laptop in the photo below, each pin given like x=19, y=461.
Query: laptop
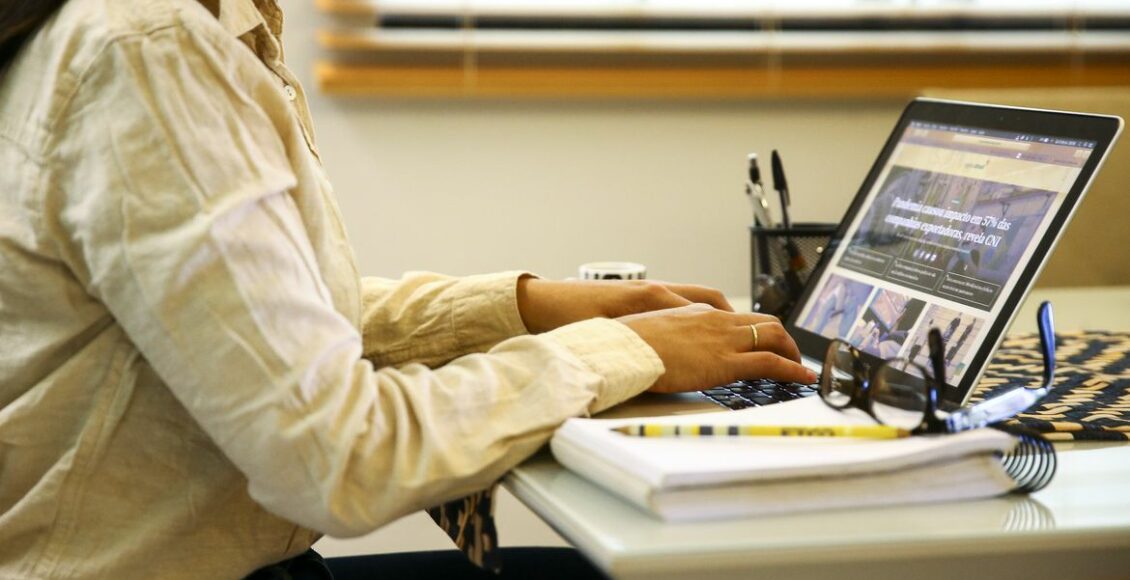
x=949, y=230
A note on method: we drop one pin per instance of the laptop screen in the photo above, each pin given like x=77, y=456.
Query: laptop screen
x=941, y=239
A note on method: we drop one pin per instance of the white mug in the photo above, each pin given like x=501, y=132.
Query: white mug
x=613, y=271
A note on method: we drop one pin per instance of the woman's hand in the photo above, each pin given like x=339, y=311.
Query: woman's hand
x=548, y=304
x=702, y=347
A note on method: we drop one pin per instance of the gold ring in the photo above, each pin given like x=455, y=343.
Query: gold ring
x=753, y=329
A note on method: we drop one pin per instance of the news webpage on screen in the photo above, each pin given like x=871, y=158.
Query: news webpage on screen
x=953, y=218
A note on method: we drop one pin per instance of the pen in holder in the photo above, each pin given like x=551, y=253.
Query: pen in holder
x=782, y=259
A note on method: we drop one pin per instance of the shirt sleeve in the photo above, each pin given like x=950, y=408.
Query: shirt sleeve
x=174, y=203
x=431, y=319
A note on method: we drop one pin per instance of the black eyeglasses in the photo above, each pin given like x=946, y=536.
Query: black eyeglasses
x=897, y=392
x=903, y=394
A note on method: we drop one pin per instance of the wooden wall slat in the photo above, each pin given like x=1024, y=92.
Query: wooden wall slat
x=731, y=82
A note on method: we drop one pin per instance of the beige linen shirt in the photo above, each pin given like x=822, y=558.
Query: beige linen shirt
x=194, y=380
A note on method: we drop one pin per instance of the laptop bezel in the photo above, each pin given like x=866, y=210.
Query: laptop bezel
x=1101, y=129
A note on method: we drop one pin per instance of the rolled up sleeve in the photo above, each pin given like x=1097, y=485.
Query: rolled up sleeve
x=431, y=319
x=178, y=210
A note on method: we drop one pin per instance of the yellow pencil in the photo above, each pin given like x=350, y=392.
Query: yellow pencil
x=862, y=431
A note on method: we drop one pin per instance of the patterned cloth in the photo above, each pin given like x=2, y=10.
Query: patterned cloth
x=1091, y=397
x=469, y=522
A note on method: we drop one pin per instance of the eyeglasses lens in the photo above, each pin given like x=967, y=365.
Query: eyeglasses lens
x=838, y=382
x=898, y=395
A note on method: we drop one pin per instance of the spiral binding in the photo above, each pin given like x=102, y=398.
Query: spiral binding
x=1032, y=463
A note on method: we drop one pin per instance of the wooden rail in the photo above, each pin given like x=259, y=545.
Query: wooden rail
x=832, y=80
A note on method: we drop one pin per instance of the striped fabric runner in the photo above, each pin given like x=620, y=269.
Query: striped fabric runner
x=1091, y=396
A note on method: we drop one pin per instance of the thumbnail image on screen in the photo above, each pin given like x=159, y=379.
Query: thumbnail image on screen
x=959, y=333
x=886, y=324
x=837, y=307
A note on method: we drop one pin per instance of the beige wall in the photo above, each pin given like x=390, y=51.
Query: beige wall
x=464, y=187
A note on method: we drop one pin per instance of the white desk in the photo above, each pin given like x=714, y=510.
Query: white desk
x=1079, y=526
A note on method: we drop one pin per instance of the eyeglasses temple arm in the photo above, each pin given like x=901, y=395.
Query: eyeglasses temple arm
x=937, y=356
x=1017, y=400
x=1045, y=321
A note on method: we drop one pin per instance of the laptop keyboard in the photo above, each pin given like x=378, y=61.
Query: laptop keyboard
x=757, y=393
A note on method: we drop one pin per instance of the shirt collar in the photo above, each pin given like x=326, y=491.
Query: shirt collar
x=238, y=16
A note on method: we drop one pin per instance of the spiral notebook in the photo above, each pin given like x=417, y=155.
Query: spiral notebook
x=688, y=479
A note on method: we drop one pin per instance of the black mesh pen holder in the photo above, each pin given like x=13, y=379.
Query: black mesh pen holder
x=782, y=259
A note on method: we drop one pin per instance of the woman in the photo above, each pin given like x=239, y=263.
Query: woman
x=194, y=380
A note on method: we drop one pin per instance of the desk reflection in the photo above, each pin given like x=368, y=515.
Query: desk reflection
x=1027, y=515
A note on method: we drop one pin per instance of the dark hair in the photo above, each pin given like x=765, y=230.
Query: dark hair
x=19, y=19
